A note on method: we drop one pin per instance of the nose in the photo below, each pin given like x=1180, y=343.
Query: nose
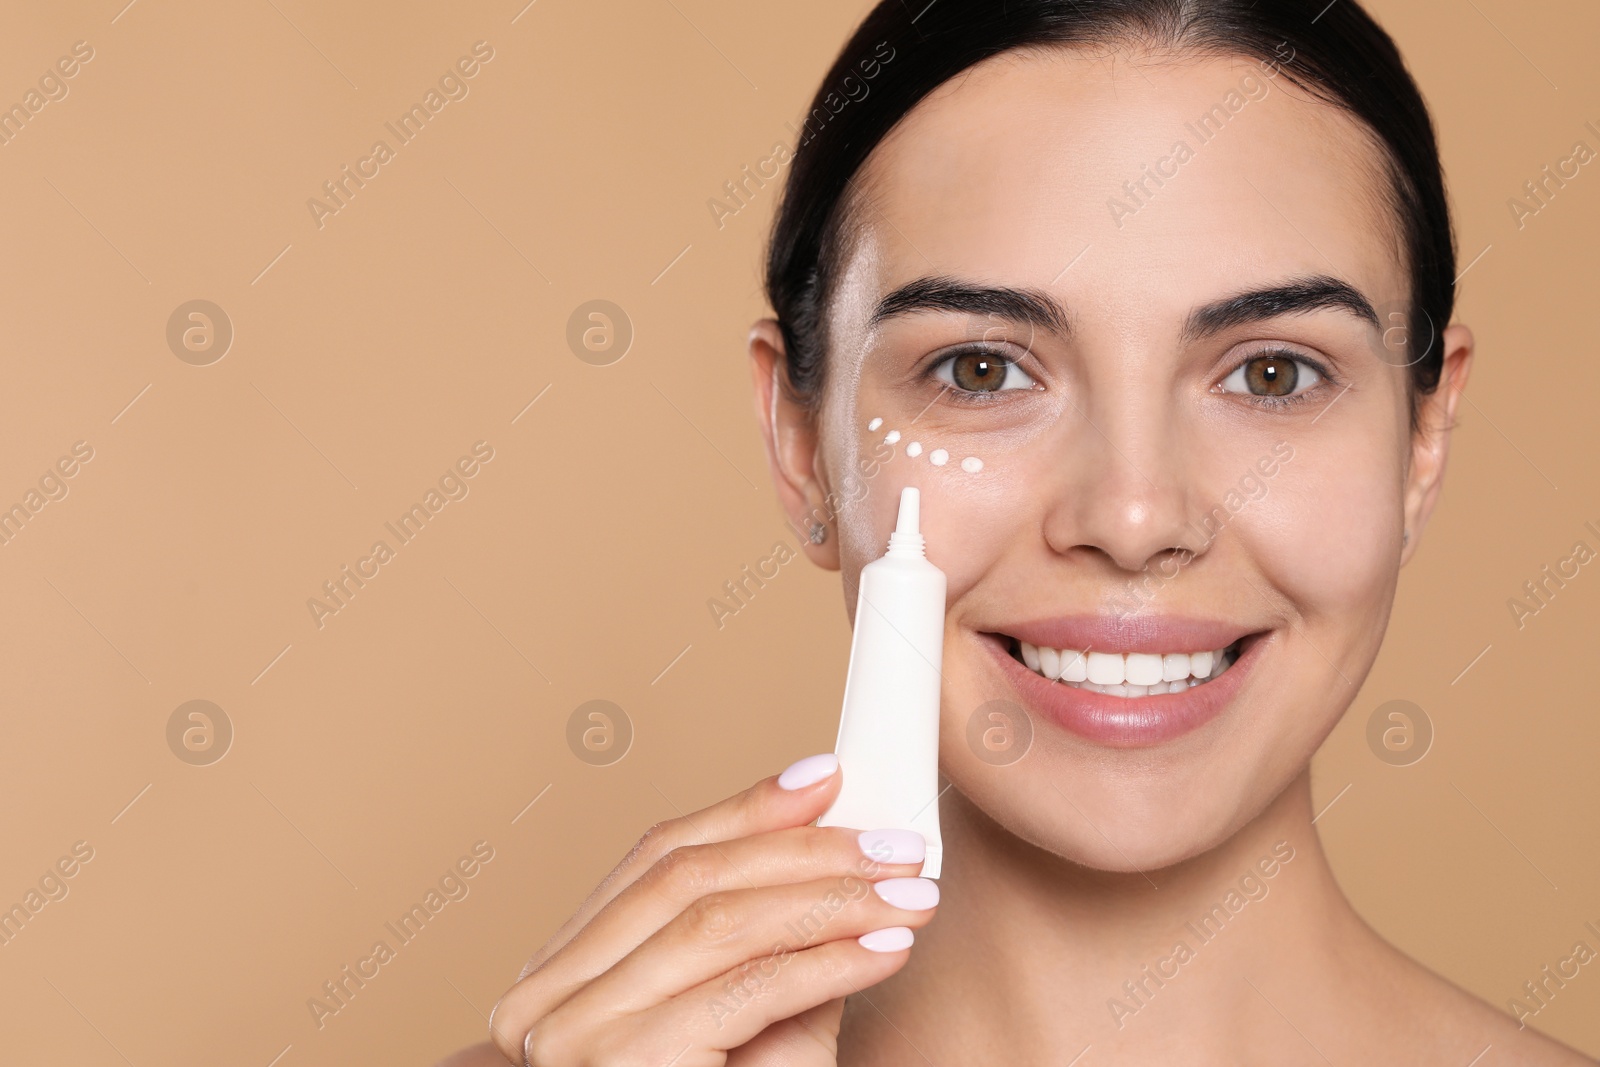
x=1124, y=490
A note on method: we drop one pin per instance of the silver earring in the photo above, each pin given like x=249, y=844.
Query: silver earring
x=1405, y=538
x=818, y=533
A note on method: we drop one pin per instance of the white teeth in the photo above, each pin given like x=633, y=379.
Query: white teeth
x=1074, y=666
x=1050, y=663
x=1130, y=674
x=1107, y=668
x=1144, y=669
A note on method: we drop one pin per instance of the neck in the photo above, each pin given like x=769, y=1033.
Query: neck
x=1032, y=958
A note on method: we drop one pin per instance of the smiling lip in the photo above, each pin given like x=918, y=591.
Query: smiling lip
x=1117, y=721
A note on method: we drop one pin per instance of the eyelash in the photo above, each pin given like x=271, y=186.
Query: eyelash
x=1323, y=373
x=964, y=396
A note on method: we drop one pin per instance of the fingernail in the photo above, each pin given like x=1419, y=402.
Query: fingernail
x=889, y=939
x=912, y=894
x=893, y=846
x=808, y=771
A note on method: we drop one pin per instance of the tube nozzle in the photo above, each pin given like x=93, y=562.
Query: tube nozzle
x=910, y=511
x=907, y=537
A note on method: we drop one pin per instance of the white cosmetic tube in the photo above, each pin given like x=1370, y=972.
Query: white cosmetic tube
x=888, y=741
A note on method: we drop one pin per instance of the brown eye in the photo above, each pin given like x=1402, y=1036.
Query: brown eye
x=982, y=372
x=1271, y=375
x=1272, y=378
x=977, y=373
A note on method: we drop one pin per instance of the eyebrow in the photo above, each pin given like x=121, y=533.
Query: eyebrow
x=1033, y=307
x=1037, y=308
x=1316, y=292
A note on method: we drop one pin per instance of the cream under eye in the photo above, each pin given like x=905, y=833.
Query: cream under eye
x=981, y=371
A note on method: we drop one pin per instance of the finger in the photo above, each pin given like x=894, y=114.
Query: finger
x=698, y=1027
x=809, y=1039
x=686, y=875
x=722, y=931
x=797, y=796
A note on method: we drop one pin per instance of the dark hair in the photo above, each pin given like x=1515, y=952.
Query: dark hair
x=1339, y=55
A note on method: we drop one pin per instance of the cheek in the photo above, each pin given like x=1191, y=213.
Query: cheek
x=1327, y=534
x=973, y=519
x=968, y=516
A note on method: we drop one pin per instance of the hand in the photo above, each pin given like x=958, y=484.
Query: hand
x=730, y=936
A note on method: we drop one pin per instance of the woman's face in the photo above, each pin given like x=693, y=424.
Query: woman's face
x=1154, y=305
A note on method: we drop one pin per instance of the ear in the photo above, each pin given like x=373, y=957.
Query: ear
x=789, y=431
x=1430, y=444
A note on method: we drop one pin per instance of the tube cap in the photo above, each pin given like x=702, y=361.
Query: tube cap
x=907, y=536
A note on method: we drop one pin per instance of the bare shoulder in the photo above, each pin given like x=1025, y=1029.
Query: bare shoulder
x=481, y=1055
x=1443, y=1022
x=1466, y=1014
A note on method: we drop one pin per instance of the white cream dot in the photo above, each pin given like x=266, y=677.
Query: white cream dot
x=874, y=424
x=914, y=448
x=938, y=457
x=891, y=437
x=972, y=464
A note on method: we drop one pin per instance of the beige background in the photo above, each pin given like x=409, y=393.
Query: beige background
x=372, y=753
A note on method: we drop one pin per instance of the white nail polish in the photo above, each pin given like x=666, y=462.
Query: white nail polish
x=908, y=894
x=889, y=939
x=808, y=771
x=893, y=845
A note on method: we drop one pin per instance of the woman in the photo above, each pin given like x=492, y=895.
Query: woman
x=1175, y=278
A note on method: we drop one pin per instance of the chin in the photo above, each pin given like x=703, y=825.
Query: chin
x=1102, y=827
